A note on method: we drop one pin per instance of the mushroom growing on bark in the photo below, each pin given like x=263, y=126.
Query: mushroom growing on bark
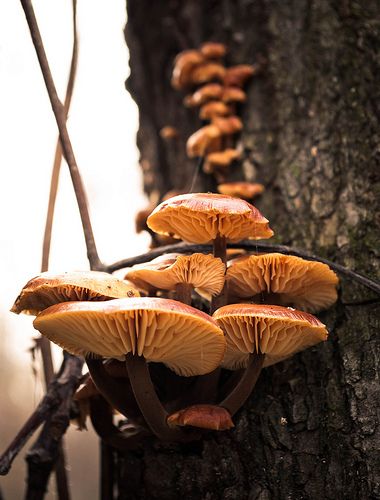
x=260, y=335
x=48, y=288
x=245, y=190
x=210, y=417
x=143, y=329
x=283, y=279
x=181, y=273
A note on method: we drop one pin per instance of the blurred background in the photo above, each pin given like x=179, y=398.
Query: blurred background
x=103, y=122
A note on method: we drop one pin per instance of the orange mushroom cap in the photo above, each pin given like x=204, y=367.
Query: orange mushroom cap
x=212, y=109
x=48, y=288
x=246, y=190
x=237, y=76
x=202, y=217
x=213, y=50
x=185, y=339
x=220, y=159
x=307, y=285
x=203, y=272
x=204, y=94
x=199, y=143
x=233, y=94
x=228, y=125
x=207, y=72
x=276, y=331
x=210, y=417
x=184, y=64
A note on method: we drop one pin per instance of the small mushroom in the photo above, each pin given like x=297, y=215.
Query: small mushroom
x=168, y=133
x=143, y=329
x=237, y=76
x=203, y=141
x=210, y=417
x=245, y=190
x=206, y=93
x=213, y=50
x=48, y=288
x=207, y=72
x=233, y=94
x=184, y=64
x=214, y=108
x=283, y=279
x=229, y=125
x=220, y=160
x=181, y=273
x=255, y=330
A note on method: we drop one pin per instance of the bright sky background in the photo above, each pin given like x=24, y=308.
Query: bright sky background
x=102, y=123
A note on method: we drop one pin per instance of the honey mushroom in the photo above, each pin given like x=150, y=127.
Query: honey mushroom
x=245, y=190
x=181, y=273
x=142, y=330
x=259, y=335
x=282, y=279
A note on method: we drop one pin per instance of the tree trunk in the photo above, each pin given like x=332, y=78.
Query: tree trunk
x=311, y=429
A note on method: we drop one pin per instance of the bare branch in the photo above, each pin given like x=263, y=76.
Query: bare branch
x=59, y=113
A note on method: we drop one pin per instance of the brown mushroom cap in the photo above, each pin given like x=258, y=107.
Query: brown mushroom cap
x=237, y=76
x=220, y=160
x=202, y=141
x=47, y=289
x=304, y=284
x=184, y=65
x=211, y=417
x=214, y=108
x=233, y=94
x=202, y=217
x=228, y=125
x=186, y=340
x=213, y=50
x=204, y=272
x=246, y=190
x=276, y=331
x=207, y=72
x=206, y=93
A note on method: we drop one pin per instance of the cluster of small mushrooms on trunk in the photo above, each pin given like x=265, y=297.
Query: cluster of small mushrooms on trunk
x=178, y=344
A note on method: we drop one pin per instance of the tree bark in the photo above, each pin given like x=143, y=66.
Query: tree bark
x=311, y=428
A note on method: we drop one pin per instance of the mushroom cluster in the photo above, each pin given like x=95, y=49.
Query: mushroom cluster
x=178, y=345
x=217, y=91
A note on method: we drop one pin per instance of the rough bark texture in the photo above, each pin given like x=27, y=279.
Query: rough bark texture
x=311, y=429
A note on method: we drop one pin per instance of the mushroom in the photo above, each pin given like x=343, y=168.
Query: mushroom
x=209, y=217
x=213, y=50
x=237, y=76
x=168, y=132
x=207, y=72
x=233, y=94
x=206, y=93
x=245, y=190
x=142, y=329
x=214, y=108
x=283, y=279
x=220, y=160
x=48, y=288
x=211, y=417
x=181, y=273
x=204, y=140
x=260, y=335
x=229, y=125
x=184, y=64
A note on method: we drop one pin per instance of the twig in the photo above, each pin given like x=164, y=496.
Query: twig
x=59, y=390
x=59, y=113
x=246, y=245
x=58, y=149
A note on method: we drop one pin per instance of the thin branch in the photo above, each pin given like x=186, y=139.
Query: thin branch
x=258, y=246
x=59, y=113
x=59, y=390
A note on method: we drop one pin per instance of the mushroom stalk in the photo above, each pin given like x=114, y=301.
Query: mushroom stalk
x=147, y=399
x=219, y=250
x=113, y=390
x=183, y=292
x=244, y=387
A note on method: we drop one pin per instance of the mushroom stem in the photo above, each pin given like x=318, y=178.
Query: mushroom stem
x=219, y=250
x=150, y=406
x=244, y=387
x=117, y=393
x=183, y=292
